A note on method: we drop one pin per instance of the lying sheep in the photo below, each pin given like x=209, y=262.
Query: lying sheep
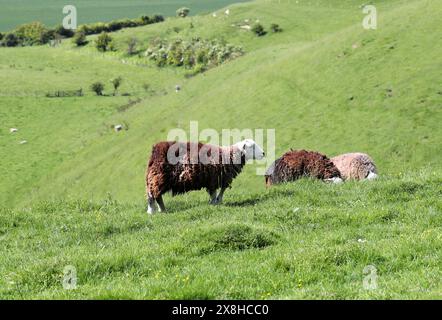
x=294, y=165
x=183, y=167
x=355, y=166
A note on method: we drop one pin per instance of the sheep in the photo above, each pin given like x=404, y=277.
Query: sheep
x=294, y=165
x=356, y=166
x=13, y=130
x=181, y=167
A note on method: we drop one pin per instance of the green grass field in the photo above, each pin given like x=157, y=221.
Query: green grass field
x=74, y=193
x=16, y=12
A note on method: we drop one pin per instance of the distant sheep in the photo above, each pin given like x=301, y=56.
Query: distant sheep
x=182, y=167
x=356, y=166
x=294, y=165
x=13, y=130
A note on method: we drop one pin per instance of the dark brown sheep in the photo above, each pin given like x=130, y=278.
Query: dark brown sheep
x=182, y=167
x=294, y=165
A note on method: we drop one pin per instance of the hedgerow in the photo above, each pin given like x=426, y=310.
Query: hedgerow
x=36, y=33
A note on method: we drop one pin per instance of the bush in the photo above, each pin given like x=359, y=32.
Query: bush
x=157, y=18
x=183, y=12
x=104, y=42
x=50, y=35
x=80, y=39
x=258, y=29
x=36, y=33
x=10, y=40
x=98, y=88
x=32, y=34
x=196, y=55
x=132, y=46
x=116, y=84
x=65, y=33
x=275, y=28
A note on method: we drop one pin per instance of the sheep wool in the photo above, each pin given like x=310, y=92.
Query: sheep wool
x=356, y=166
x=195, y=166
x=294, y=165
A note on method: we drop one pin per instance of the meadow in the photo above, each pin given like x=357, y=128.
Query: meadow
x=73, y=195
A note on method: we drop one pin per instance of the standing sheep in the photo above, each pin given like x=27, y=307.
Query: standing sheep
x=182, y=167
x=355, y=166
x=294, y=165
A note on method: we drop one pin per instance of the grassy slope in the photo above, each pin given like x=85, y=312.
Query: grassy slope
x=299, y=82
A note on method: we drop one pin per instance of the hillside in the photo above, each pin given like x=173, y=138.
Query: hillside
x=74, y=193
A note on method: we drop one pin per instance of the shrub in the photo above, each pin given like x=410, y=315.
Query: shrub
x=31, y=33
x=51, y=36
x=103, y=42
x=258, y=29
x=183, y=12
x=132, y=46
x=157, y=18
x=196, y=55
x=11, y=40
x=36, y=33
x=98, y=88
x=145, y=20
x=80, y=39
x=275, y=28
x=66, y=33
x=116, y=82
x=146, y=87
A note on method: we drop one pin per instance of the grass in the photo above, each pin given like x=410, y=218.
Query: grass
x=74, y=194
x=305, y=240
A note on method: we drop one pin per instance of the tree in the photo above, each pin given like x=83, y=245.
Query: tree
x=145, y=20
x=80, y=39
x=132, y=46
x=31, y=33
x=103, y=42
x=66, y=33
x=275, y=28
x=98, y=88
x=183, y=12
x=116, y=82
x=11, y=40
x=258, y=29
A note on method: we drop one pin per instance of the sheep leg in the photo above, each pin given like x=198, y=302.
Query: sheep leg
x=212, y=195
x=151, y=208
x=219, y=199
x=161, y=203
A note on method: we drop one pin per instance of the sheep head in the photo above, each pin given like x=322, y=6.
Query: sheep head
x=250, y=149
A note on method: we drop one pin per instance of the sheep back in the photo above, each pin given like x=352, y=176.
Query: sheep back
x=356, y=166
x=189, y=173
x=294, y=165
